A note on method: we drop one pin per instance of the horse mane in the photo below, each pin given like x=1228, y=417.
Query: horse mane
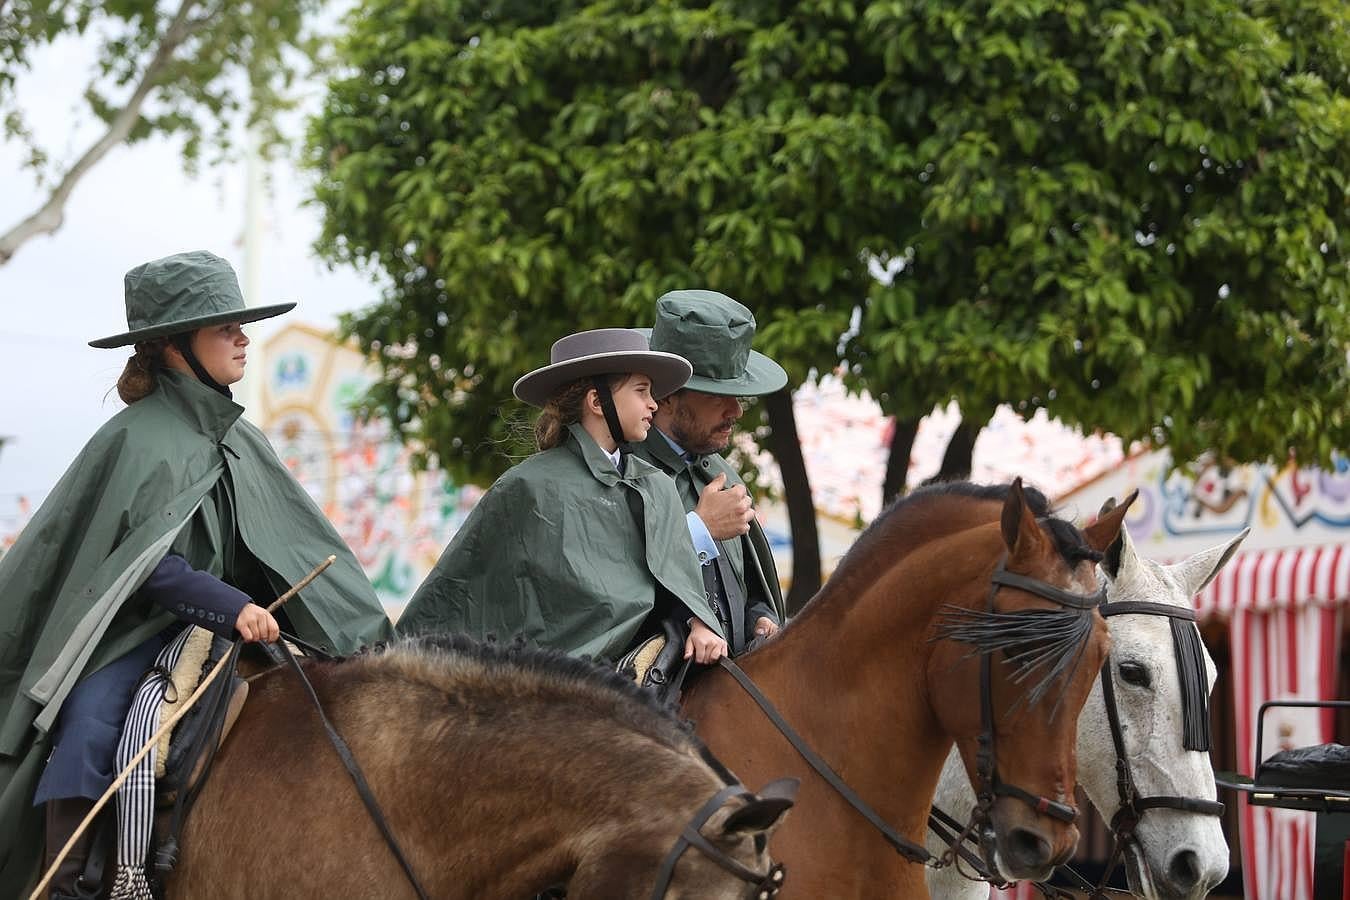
x=1069, y=540
x=901, y=512
x=513, y=674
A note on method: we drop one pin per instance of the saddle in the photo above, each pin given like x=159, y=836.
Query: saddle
x=658, y=664
x=182, y=755
x=182, y=760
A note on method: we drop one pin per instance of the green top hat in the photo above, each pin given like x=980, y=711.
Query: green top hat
x=714, y=333
x=184, y=292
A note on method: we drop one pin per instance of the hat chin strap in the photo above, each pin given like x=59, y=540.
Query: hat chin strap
x=183, y=341
x=601, y=385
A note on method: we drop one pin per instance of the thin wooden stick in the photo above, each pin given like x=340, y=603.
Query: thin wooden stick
x=154, y=740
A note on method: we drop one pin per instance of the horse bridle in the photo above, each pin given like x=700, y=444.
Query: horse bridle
x=989, y=787
x=910, y=850
x=766, y=885
x=1133, y=805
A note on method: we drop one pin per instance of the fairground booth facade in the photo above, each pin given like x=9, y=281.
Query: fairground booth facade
x=1273, y=620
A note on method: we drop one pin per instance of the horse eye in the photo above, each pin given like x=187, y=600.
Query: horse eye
x=1134, y=673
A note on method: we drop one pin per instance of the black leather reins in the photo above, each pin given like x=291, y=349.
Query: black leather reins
x=995, y=787
x=1132, y=804
x=358, y=778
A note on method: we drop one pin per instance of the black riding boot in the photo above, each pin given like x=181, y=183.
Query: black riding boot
x=63, y=817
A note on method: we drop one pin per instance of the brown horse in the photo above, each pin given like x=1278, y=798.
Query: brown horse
x=864, y=675
x=502, y=772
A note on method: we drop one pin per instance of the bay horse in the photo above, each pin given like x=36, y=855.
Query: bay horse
x=873, y=678
x=1173, y=850
x=502, y=771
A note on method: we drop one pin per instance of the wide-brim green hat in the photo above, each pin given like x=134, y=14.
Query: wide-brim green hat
x=184, y=292
x=602, y=351
x=714, y=333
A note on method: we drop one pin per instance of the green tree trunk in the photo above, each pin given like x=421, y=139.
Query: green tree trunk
x=787, y=451
x=956, y=461
x=897, y=462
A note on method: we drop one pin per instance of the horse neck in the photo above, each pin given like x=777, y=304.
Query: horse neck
x=859, y=654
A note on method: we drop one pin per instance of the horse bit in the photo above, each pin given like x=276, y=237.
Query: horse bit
x=1132, y=803
x=992, y=786
x=766, y=886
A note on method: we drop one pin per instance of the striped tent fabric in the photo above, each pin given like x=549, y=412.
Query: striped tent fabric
x=1285, y=611
x=1265, y=580
x=1287, y=653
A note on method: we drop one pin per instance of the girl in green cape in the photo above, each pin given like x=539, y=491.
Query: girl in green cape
x=582, y=547
x=176, y=512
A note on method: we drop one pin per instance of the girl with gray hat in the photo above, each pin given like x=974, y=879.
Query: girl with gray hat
x=177, y=512
x=582, y=547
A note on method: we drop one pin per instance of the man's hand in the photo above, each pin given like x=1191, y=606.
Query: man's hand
x=765, y=627
x=726, y=513
x=257, y=624
x=703, y=644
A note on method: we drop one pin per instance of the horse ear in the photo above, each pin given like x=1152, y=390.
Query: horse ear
x=1116, y=553
x=761, y=813
x=1020, y=531
x=1103, y=532
x=1199, y=570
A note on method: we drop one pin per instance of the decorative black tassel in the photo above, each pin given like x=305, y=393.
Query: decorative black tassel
x=1042, y=646
x=1190, y=655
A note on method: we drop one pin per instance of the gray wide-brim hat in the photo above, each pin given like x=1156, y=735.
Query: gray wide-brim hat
x=184, y=292
x=602, y=351
x=714, y=333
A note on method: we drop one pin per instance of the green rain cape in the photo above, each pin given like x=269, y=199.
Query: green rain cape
x=552, y=552
x=112, y=517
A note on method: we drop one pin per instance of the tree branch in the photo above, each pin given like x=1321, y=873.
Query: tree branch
x=49, y=217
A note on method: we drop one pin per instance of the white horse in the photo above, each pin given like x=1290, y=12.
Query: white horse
x=1176, y=854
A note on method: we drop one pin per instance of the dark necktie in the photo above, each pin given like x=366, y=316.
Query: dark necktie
x=719, y=579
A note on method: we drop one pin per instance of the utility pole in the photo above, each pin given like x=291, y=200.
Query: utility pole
x=250, y=390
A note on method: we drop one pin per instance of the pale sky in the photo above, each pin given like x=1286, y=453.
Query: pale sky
x=60, y=292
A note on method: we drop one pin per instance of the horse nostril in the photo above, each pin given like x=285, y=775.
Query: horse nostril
x=1183, y=870
x=1027, y=850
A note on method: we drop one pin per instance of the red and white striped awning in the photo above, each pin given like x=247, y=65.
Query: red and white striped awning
x=1264, y=580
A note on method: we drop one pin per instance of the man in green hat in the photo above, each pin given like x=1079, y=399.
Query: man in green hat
x=691, y=428
x=176, y=512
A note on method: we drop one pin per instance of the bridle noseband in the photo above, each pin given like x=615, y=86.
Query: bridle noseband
x=910, y=850
x=1133, y=805
x=766, y=885
x=989, y=787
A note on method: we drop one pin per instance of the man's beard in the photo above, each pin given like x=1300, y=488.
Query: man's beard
x=694, y=438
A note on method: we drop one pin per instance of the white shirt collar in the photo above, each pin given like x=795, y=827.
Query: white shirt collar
x=613, y=457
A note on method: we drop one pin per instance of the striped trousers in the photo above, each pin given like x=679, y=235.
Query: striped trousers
x=136, y=796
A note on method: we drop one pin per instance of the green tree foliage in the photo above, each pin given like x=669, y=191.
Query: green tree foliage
x=523, y=170
x=193, y=68
x=1127, y=213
